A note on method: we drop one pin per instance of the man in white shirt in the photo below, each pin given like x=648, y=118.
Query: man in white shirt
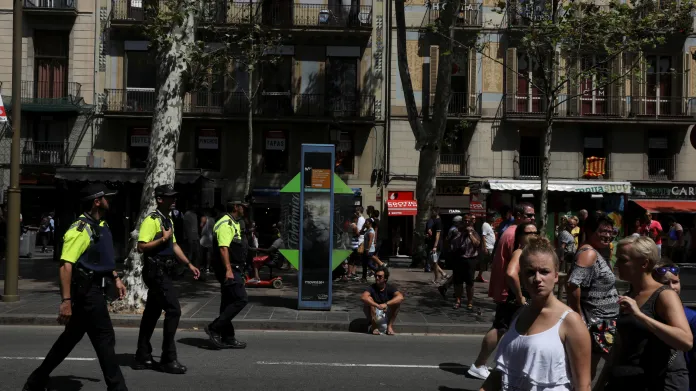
x=487, y=245
x=361, y=222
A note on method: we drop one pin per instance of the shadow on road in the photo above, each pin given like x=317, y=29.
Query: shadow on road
x=445, y=388
x=69, y=383
x=200, y=343
x=125, y=359
x=455, y=368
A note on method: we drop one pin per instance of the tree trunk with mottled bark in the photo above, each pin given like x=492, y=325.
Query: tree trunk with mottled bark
x=250, y=129
x=428, y=132
x=172, y=73
x=545, y=166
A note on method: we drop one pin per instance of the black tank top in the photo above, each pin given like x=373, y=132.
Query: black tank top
x=645, y=361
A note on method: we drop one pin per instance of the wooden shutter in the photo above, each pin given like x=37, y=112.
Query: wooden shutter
x=511, y=79
x=638, y=75
x=473, y=96
x=678, y=78
x=434, y=60
x=685, y=82
x=616, y=89
x=574, y=81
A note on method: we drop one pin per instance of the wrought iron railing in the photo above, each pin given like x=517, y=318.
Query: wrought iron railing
x=288, y=14
x=469, y=15
x=529, y=167
x=661, y=169
x=453, y=165
x=44, y=152
x=660, y=106
x=56, y=5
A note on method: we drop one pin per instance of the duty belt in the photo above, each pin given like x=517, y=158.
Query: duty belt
x=167, y=262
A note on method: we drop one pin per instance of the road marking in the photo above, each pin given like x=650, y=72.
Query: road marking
x=41, y=358
x=341, y=364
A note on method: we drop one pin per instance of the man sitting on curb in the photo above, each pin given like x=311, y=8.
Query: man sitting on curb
x=382, y=302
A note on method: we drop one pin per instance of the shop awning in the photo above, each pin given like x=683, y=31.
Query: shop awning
x=402, y=207
x=132, y=175
x=594, y=187
x=667, y=206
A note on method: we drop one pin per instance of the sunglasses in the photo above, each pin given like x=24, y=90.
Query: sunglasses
x=531, y=233
x=530, y=215
x=663, y=270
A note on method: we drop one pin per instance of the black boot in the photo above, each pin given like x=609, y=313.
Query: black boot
x=143, y=363
x=215, y=337
x=173, y=367
x=233, y=343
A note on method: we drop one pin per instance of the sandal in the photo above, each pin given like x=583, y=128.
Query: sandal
x=457, y=306
x=470, y=307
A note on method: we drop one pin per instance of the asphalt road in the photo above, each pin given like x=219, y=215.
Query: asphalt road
x=273, y=360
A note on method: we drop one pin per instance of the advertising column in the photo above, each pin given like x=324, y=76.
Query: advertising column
x=316, y=228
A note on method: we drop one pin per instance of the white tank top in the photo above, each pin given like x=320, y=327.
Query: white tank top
x=533, y=362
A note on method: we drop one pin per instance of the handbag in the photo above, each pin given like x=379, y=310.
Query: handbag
x=603, y=334
x=361, y=248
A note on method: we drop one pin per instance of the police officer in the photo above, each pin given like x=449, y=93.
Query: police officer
x=228, y=263
x=157, y=242
x=87, y=268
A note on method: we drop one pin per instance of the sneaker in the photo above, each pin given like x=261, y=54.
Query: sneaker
x=481, y=372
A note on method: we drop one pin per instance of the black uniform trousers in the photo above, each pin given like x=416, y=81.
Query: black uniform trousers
x=161, y=296
x=90, y=315
x=234, y=299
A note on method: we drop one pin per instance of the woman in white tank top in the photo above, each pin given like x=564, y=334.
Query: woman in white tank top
x=548, y=346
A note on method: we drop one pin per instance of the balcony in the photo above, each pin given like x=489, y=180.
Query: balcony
x=463, y=104
x=528, y=167
x=56, y=96
x=661, y=169
x=268, y=104
x=660, y=107
x=525, y=105
x=453, y=165
x=287, y=15
x=52, y=153
x=595, y=106
x=470, y=15
x=56, y=7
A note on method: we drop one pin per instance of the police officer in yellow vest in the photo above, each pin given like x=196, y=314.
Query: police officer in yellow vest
x=228, y=263
x=157, y=242
x=86, y=270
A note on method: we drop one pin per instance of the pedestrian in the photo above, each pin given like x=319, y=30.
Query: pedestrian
x=434, y=239
x=87, y=266
x=517, y=296
x=547, y=347
x=667, y=273
x=675, y=240
x=228, y=251
x=157, y=242
x=464, y=259
x=369, y=247
x=653, y=229
x=191, y=225
x=488, y=238
x=498, y=290
x=653, y=329
x=592, y=288
x=206, y=242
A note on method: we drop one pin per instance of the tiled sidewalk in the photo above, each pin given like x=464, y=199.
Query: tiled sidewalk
x=424, y=310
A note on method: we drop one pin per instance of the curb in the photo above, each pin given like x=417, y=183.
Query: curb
x=357, y=326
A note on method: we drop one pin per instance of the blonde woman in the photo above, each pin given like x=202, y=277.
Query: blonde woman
x=652, y=328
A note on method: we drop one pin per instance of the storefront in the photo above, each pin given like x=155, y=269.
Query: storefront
x=663, y=200
x=566, y=198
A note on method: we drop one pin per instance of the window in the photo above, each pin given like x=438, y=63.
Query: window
x=209, y=97
x=276, y=95
x=140, y=70
x=51, y=50
x=528, y=97
x=530, y=157
x=275, y=151
x=594, y=98
x=660, y=160
x=208, y=149
x=342, y=86
x=138, y=147
x=345, y=154
x=594, y=158
x=658, y=82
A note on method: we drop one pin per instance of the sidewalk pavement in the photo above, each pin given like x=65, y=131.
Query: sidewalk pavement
x=423, y=311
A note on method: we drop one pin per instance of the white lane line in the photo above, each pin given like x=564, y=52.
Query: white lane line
x=41, y=358
x=340, y=364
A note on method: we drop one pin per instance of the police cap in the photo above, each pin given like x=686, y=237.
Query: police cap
x=165, y=191
x=94, y=191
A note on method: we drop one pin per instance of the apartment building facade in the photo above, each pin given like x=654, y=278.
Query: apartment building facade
x=326, y=88
x=612, y=147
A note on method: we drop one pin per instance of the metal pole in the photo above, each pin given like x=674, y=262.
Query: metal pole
x=12, y=256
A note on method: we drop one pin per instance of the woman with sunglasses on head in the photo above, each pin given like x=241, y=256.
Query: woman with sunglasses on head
x=667, y=273
x=652, y=328
x=592, y=286
x=547, y=347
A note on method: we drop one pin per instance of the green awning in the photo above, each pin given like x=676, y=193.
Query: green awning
x=46, y=105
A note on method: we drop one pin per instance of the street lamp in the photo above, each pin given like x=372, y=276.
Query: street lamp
x=13, y=193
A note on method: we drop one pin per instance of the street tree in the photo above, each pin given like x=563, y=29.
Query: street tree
x=580, y=48
x=191, y=39
x=428, y=130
